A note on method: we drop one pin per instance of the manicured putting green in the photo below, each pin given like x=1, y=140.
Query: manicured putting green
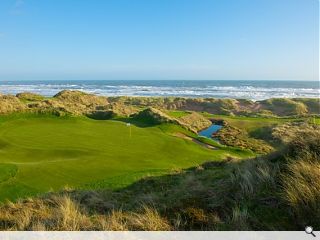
x=39, y=154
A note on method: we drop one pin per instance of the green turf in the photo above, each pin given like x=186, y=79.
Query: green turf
x=315, y=120
x=177, y=114
x=7, y=171
x=42, y=153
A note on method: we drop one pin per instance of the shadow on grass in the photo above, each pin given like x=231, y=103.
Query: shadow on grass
x=220, y=195
x=206, y=197
x=137, y=122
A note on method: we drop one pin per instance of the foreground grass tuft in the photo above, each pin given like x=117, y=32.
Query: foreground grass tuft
x=302, y=189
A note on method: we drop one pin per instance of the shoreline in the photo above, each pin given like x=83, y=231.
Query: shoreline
x=151, y=96
x=253, y=90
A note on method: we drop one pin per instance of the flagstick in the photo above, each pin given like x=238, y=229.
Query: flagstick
x=129, y=125
x=130, y=131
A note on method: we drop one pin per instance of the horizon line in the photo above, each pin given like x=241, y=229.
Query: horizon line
x=289, y=80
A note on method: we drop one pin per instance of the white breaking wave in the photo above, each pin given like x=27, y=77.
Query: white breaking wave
x=248, y=92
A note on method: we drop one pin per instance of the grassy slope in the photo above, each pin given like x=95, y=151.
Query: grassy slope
x=266, y=193
x=234, y=151
x=177, y=114
x=244, y=122
x=250, y=123
x=253, y=127
x=43, y=153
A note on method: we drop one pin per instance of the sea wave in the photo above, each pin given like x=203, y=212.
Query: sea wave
x=204, y=90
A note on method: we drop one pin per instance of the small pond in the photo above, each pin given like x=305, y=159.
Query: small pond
x=210, y=130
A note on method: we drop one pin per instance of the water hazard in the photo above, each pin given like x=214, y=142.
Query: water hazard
x=210, y=130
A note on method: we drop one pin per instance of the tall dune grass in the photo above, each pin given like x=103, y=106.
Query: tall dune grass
x=301, y=189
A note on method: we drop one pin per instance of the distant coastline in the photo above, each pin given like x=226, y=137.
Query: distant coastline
x=237, y=89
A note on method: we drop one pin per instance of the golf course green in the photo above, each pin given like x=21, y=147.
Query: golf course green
x=41, y=153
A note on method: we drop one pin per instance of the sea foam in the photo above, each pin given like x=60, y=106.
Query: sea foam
x=255, y=90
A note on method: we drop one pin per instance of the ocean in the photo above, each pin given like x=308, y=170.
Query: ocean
x=254, y=90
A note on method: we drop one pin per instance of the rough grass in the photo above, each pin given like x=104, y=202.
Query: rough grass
x=288, y=180
x=233, y=136
x=61, y=213
x=302, y=189
x=195, y=121
x=250, y=123
x=256, y=133
x=10, y=104
x=285, y=106
x=80, y=103
x=29, y=97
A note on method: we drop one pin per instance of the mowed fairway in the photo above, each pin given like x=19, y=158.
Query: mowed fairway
x=39, y=154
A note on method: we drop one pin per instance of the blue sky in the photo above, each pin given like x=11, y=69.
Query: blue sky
x=159, y=39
